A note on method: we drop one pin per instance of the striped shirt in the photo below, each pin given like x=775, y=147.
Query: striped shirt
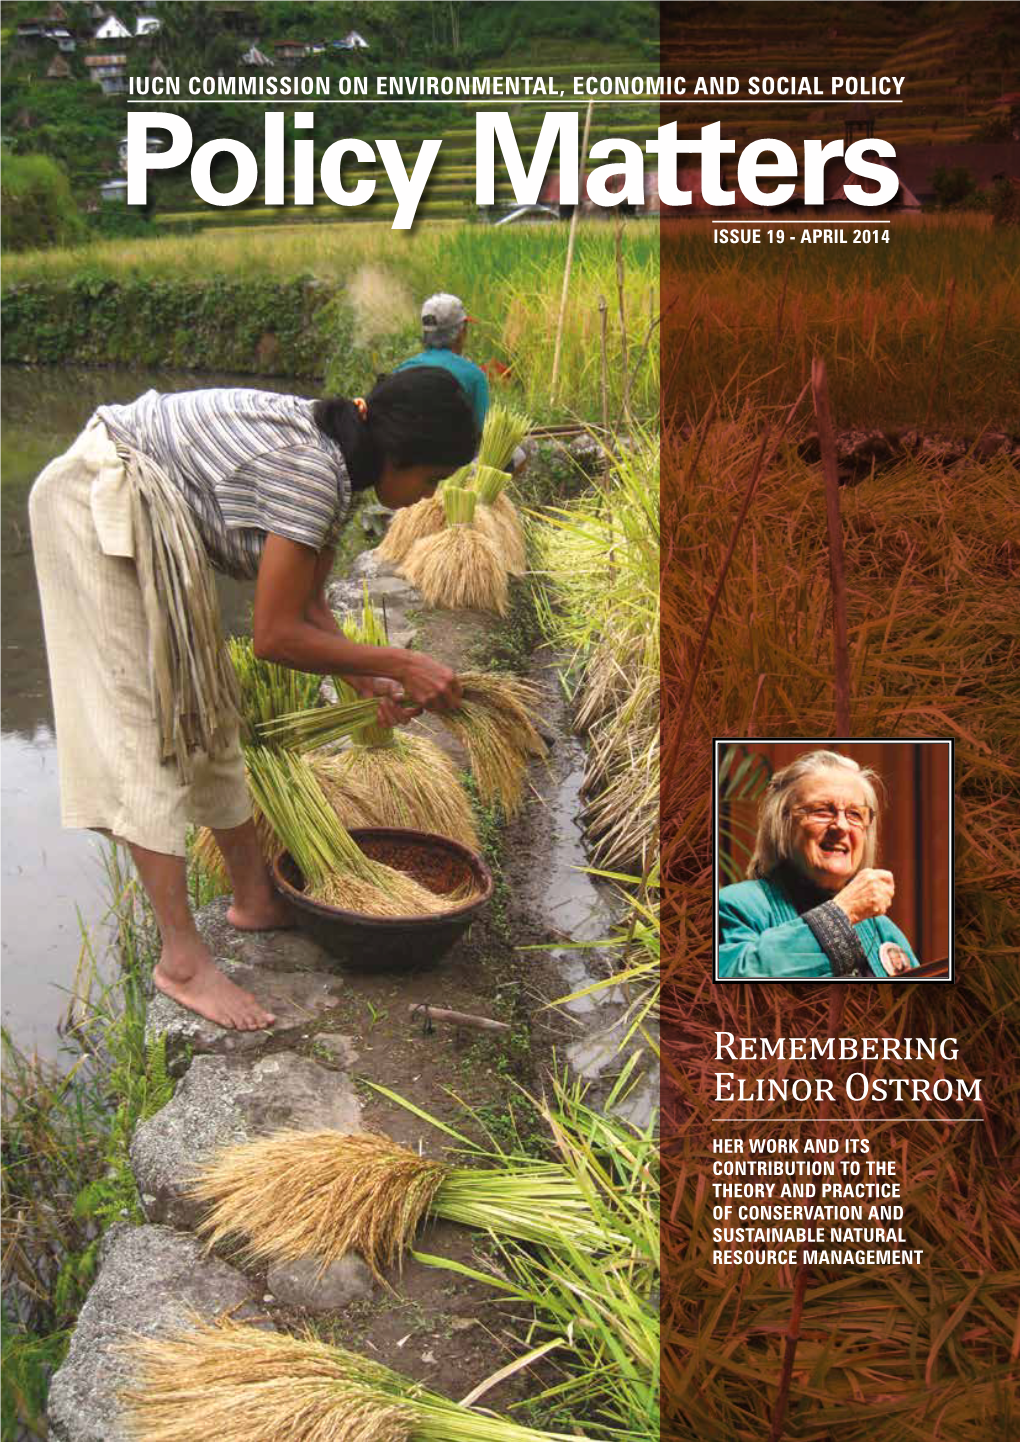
x=249, y=463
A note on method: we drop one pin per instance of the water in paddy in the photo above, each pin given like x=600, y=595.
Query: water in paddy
x=53, y=880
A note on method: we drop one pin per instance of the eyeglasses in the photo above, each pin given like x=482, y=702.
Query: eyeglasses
x=858, y=818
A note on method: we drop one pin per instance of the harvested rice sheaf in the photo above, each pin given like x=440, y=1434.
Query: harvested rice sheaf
x=494, y=724
x=297, y=1194
x=240, y=1383
x=335, y=869
x=409, y=525
x=318, y=1194
x=407, y=783
x=459, y=568
x=501, y=524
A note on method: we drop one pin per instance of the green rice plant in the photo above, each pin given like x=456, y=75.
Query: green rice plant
x=241, y=1383
x=511, y=279
x=334, y=868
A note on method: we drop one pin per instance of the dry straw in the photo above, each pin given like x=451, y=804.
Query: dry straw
x=241, y=1383
x=459, y=567
x=931, y=595
x=413, y=523
x=322, y=1194
x=599, y=599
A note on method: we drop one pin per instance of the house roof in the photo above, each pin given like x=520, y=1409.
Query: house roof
x=91, y=60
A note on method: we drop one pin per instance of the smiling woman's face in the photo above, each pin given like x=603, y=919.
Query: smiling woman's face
x=829, y=851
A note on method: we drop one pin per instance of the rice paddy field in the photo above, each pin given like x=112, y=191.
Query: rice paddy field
x=933, y=595
x=510, y=279
x=922, y=331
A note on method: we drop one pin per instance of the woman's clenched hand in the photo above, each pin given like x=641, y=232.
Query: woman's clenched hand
x=870, y=893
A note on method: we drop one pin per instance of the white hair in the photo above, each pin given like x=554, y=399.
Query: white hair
x=774, y=842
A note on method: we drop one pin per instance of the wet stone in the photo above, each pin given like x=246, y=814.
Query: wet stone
x=150, y=1280
x=296, y=998
x=642, y=1104
x=227, y=1100
x=304, y=1284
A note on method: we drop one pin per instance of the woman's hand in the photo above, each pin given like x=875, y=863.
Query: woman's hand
x=427, y=682
x=870, y=893
x=390, y=694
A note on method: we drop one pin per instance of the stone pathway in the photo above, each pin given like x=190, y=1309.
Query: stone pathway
x=334, y=1033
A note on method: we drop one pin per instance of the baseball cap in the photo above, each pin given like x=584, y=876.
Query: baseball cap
x=442, y=314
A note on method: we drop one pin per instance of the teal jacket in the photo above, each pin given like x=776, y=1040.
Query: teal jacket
x=762, y=934
x=470, y=377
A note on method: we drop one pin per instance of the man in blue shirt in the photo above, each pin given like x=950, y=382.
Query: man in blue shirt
x=444, y=328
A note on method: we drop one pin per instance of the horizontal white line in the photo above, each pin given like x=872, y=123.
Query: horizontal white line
x=805, y=1121
x=649, y=100
x=822, y=220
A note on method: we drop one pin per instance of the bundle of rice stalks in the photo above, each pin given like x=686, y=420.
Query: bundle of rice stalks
x=267, y=691
x=501, y=435
x=336, y=871
x=408, y=782
x=322, y=1194
x=239, y=1383
x=385, y=778
x=459, y=567
x=496, y=517
x=413, y=523
x=493, y=724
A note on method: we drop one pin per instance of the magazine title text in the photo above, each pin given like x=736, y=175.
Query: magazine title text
x=768, y=170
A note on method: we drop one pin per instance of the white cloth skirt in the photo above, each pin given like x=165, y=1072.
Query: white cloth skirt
x=108, y=741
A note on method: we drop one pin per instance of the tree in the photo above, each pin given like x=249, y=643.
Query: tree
x=38, y=208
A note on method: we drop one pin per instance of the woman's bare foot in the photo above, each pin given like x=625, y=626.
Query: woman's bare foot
x=271, y=913
x=202, y=988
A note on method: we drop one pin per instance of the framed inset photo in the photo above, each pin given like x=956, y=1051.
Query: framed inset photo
x=833, y=860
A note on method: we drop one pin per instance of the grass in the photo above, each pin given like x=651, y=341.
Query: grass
x=879, y=313
x=598, y=560
x=600, y=1303
x=933, y=588
x=509, y=279
x=66, y=1172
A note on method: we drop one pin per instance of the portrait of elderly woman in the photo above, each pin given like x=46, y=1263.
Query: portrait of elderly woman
x=816, y=901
